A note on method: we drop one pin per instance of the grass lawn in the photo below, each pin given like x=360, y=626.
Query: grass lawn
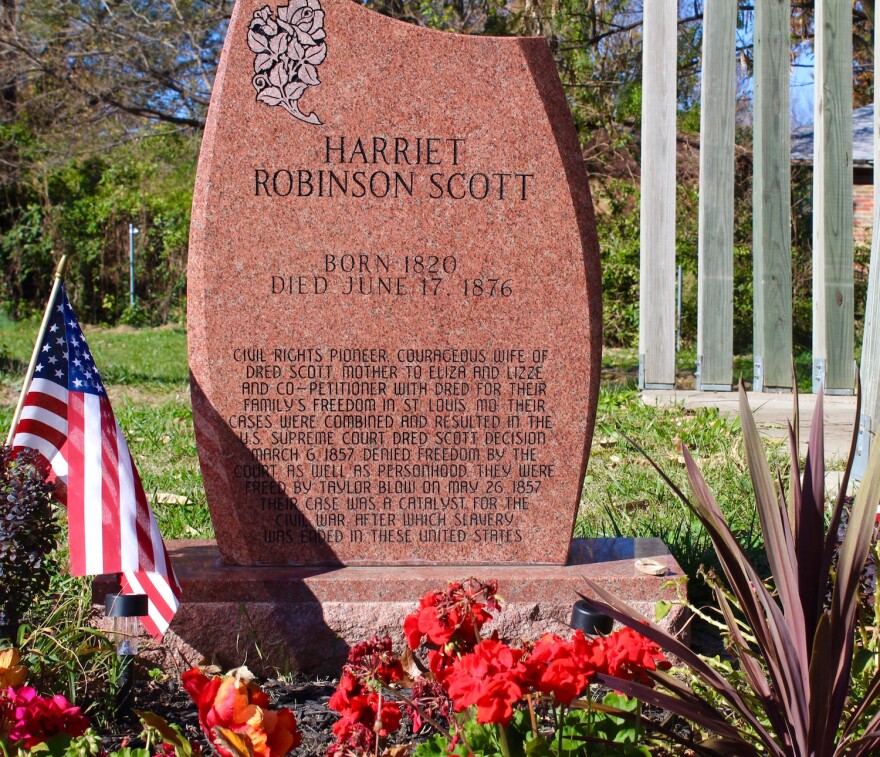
x=147, y=380
x=620, y=368
x=146, y=373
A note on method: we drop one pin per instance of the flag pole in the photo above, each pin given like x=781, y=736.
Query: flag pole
x=59, y=276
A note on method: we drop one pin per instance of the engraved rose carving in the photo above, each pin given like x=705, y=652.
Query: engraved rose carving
x=288, y=50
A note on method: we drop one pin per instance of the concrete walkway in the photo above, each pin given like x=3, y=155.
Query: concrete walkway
x=772, y=413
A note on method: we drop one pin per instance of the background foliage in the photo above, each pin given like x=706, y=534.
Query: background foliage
x=102, y=103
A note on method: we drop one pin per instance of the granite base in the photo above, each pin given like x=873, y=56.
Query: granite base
x=305, y=619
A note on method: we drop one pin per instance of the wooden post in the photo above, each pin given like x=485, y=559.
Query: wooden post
x=715, y=279
x=833, y=201
x=771, y=197
x=869, y=419
x=657, y=258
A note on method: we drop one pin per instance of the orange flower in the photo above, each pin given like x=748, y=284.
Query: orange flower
x=242, y=708
x=11, y=673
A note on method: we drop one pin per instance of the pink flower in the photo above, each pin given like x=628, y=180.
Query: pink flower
x=38, y=718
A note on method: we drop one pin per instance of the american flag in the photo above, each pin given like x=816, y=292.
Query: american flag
x=67, y=418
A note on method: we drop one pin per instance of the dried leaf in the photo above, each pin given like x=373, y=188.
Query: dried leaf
x=166, y=498
x=242, y=673
x=651, y=567
x=239, y=745
x=411, y=668
x=401, y=750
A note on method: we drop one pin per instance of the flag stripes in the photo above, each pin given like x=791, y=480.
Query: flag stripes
x=68, y=419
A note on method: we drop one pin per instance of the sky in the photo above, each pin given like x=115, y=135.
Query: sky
x=802, y=91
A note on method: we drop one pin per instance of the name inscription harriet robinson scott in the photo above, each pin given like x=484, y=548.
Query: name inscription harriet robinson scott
x=394, y=310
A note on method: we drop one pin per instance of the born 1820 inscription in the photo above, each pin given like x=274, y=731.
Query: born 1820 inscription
x=394, y=334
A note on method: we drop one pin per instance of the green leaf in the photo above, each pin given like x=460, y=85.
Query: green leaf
x=168, y=732
x=436, y=746
x=621, y=702
x=861, y=660
x=661, y=609
x=129, y=752
x=537, y=746
x=57, y=745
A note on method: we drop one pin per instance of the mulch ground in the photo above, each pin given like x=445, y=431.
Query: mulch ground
x=307, y=699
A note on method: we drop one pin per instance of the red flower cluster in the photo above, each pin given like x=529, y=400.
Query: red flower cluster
x=495, y=677
x=563, y=669
x=375, y=660
x=628, y=654
x=453, y=616
x=492, y=678
x=431, y=699
x=356, y=742
x=365, y=715
x=242, y=707
x=469, y=672
x=35, y=719
x=360, y=705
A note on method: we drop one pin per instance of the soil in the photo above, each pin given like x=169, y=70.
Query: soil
x=306, y=698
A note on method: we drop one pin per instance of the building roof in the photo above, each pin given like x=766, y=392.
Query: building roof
x=863, y=138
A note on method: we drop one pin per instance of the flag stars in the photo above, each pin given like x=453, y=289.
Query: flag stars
x=39, y=367
x=59, y=340
x=54, y=328
x=77, y=383
x=59, y=373
x=52, y=359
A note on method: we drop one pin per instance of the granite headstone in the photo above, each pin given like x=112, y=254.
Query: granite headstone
x=394, y=332
x=394, y=295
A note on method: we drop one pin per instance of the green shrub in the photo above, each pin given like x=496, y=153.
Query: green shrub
x=28, y=534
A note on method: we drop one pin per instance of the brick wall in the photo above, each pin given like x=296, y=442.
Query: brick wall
x=863, y=213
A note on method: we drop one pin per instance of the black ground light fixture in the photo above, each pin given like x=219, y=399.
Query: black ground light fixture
x=125, y=609
x=591, y=622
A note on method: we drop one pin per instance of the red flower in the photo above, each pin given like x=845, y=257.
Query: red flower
x=242, y=708
x=359, y=705
x=628, y=654
x=431, y=699
x=492, y=678
x=356, y=742
x=563, y=669
x=375, y=660
x=440, y=665
x=453, y=616
x=37, y=719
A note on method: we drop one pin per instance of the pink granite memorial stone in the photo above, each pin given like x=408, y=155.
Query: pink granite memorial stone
x=394, y=295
